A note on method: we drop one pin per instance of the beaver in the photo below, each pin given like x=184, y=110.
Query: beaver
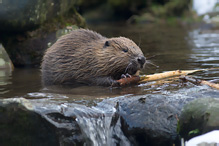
x=87, y=57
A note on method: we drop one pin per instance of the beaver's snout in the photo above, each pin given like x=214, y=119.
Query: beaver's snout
x=135, y=65
x=141, y=60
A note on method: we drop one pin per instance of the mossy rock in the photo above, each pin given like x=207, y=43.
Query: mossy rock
x=26, y=42
x=198, y=117
x=25, y=15
x=27, y=49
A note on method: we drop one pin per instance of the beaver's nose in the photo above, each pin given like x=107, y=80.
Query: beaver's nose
x=141, y=60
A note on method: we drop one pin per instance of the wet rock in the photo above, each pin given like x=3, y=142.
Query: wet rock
x=5, y=62
x=152, y=119
x=198, y=117
x=27, y=49
x=149, y=119
x=28, y=28
x=19, y=126
x=22, y=124
x=25, y=15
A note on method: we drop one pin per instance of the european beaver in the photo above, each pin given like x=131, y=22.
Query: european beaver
x=84, y=56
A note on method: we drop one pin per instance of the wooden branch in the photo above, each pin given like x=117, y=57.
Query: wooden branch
x=159, y=76
x=129, y=81
x=199, y=82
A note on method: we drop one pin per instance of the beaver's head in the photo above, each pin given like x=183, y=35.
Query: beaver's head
x=120, y=56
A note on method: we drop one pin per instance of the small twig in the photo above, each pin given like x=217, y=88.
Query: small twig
x=199, y=82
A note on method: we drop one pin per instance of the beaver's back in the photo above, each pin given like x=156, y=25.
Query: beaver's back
x=69, y=49
x=84, y=56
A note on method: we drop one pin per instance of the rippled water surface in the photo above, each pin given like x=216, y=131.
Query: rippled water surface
x=169, y=47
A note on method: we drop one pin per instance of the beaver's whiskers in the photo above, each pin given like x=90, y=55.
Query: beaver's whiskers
x=151, y=63
x=128, y=67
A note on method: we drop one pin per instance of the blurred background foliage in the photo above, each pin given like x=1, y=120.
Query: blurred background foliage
x=125, y=9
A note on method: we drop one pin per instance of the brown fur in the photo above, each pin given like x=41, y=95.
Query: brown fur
x=84, y=56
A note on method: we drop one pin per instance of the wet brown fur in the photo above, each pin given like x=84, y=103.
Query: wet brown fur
x=84, y=56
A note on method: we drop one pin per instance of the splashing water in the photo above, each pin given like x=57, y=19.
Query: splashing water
x=100, y=125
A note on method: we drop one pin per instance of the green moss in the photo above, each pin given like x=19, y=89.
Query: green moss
x=61, y=22
x=158, y=10
x=195, y=131
x=178, y=127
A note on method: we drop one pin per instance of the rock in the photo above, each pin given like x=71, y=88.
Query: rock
x=27, y=49
x=150, y=119
x=5, y=62
x=147, y=120
x=27, y=34
x=26, y=15
x=20, y=124
x=198, y=117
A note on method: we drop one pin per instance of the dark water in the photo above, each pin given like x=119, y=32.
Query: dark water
x=169, y=47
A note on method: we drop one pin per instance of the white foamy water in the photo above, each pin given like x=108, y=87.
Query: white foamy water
x=204, y=6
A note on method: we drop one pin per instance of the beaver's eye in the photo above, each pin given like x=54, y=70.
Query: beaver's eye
x=107, y=43
x=125, y=50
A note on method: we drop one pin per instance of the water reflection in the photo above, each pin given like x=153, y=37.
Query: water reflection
x=20, y=82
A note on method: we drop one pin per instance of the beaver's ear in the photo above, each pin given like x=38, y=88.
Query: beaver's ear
x=107, y=43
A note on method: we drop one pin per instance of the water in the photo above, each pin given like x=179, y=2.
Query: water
x=99, y=129
x=204, y=6
x=174, y=47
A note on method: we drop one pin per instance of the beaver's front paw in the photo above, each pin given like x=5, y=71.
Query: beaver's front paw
x=125, y=76
x=115, y=84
